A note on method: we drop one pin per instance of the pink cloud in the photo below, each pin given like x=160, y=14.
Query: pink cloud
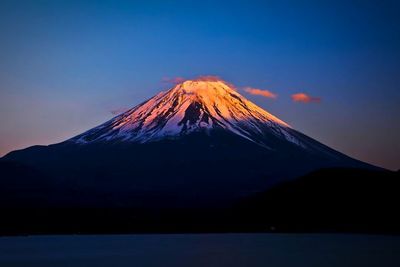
x=209, y=78
x=174, y=80
x=305, y=98
x=204, y=78
x=214, y=78
x=264, y=93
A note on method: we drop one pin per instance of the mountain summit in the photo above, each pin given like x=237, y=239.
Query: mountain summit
x=200, y=143
x=198, y=157
x=191, y=106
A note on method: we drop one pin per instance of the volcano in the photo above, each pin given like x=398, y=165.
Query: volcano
x=199, y=144
x=189, y=107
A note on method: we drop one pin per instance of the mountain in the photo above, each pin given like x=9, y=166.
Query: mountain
x=199, y=144
x=192, y=106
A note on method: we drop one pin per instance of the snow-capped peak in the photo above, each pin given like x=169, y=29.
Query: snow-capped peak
x=191, y=106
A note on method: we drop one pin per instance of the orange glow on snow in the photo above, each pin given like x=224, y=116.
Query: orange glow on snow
x=216, y=93
x=216, y=106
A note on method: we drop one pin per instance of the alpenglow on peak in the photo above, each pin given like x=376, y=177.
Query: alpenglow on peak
x=199, y=105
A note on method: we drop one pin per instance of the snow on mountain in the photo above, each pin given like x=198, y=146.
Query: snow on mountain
x=199, y=144
x=199, y=105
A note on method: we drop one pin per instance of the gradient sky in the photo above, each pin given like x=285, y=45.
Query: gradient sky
x=66, y=65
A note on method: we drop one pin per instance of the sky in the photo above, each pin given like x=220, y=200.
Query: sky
x=332, y=67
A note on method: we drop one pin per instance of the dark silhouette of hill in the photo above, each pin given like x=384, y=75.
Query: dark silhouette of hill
x=194, y=170
x=329, y=200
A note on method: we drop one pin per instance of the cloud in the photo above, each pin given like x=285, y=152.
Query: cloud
x=214, y=78
x=174, y=80
x=264, y=93
x=118, y=111
x=201, y=78
x=305, y=98
x=208, y=78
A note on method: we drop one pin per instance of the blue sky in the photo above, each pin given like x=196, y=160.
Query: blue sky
x=65, y=65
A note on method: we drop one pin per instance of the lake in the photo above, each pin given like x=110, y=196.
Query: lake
x=201, y=250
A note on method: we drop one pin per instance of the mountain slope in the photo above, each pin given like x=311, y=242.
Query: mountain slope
x=198, y=144
x=191, y=106
x=200, y=106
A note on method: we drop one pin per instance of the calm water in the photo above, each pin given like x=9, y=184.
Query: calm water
x=201, y=250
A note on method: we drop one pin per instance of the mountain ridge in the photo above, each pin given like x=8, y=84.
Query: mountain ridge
x=198, y=144
x=193, y=105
